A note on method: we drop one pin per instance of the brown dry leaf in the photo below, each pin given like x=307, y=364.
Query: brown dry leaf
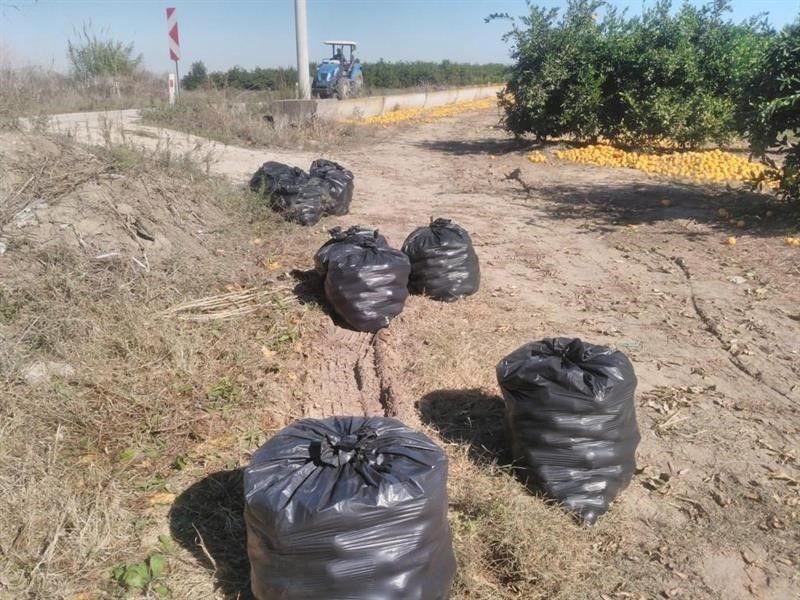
x=162, y=498
x=720, y=498
x=678, y=573
x=748, y=557
x=781, y=476
x=88, y=459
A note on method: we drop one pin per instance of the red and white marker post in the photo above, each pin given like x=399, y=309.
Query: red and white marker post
x=174, y=47
x=171, y=85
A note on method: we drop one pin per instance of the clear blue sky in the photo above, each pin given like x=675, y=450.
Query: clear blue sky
x=261, y=33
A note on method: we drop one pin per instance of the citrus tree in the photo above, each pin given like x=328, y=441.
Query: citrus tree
x=591, y=71
x=771, y=108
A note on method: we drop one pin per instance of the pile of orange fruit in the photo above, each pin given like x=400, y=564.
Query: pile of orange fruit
x=424, y=115
x=705, y=166
x=537, y=157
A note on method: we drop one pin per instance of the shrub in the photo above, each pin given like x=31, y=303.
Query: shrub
x=92, y=56
x=196, y=76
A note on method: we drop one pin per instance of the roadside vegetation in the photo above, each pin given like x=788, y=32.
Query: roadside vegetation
x=236, y=117
x=120, y=370
x=104, y=74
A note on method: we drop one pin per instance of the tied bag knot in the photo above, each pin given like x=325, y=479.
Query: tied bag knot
x=353, y=448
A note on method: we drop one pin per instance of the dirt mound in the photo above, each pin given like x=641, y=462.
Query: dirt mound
x=107, y=202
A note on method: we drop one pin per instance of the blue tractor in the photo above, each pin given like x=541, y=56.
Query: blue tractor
x=340, y=75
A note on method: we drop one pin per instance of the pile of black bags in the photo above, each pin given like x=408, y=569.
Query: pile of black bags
x=367, y=282
x=444, y=265
x=572, y=421
x=302, y=197
x=348, y=507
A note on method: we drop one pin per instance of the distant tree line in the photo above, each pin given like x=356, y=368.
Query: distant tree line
x=390, y=75
x=381, y=74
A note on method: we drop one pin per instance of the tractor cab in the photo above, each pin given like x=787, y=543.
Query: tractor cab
x=340, y=75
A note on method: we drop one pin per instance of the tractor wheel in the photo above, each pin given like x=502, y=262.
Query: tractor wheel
x=342, y=88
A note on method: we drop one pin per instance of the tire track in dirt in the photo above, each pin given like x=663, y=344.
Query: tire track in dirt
x=394, y=397
x=340, y=376
x=353, y=373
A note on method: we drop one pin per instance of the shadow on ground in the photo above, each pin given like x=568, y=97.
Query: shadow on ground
x=309, y=288
x=609, y=205
x=207, y=519
x=471, y=417
x=492, y=146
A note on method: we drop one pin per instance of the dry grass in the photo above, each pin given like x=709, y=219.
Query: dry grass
x=33, y=91
x=87, y=459
x=240, y=118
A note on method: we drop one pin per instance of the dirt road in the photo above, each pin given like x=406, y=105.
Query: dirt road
x=713, y=331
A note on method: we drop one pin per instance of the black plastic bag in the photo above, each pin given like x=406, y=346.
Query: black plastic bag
x=290, y=191
x=572, y=421
x=444, y=264
x=348, y=508
x=342, y=242
x=340, y=185
x=368, y=285
x=305, y=207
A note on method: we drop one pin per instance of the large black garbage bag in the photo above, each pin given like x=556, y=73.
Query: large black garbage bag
x=572, y=421
x=306, y=206
x=340, y=185
x=290, y=191
x=342, y=242
x=368, y=286
x=444, y=264
x=348, y=508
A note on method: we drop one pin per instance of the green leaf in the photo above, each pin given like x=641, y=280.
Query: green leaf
x=156, y=562
x=127, y=455
x=162, y=591
x=117, y=573
x=180, y=462
x=136, y=576
x=166, y=543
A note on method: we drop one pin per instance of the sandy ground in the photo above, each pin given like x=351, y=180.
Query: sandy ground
x=566, y=250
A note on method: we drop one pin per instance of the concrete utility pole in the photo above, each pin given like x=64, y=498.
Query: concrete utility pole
x=301, y=32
